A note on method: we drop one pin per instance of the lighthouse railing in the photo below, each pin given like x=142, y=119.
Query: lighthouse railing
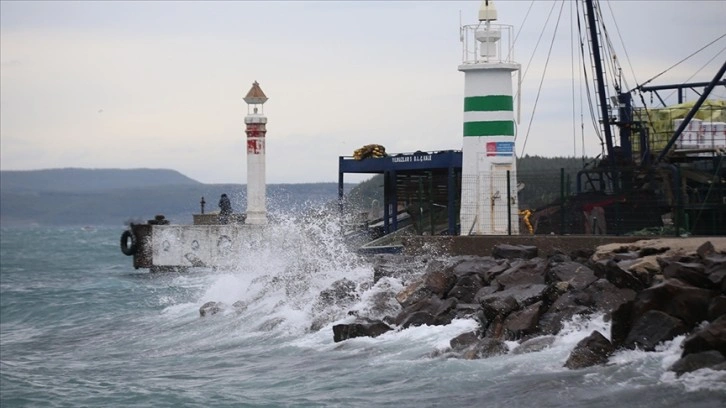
x=487, y=43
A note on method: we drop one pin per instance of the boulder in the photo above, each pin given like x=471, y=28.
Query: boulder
x=525, y=295
x=413, y=293
x=523, y=322
x=506, y=251
x=463, y=341
x=710, y=337
x=523, y=273
x=717, y=308
x=341, y=292
x=592, y=350
x=697, y=361
x=569, y=304
x=477, y=265
x=621, y=323
x=652, y=328
x=534, y=345
x=577, y=275
x=705, y=250
x=210, y=308
x=581, y=255
x=466, y=288
x=677, y=299
x=622, y=278
x=691, y=273
x=484, y=348
x=440, y=282
x=488, y=276
x=359, y=329
x=498, y=305
x=606, y=297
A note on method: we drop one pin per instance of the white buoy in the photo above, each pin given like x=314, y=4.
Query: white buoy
x=256, y=122
x=489, y=128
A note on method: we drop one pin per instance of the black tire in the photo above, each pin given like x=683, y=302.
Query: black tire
x=126, y=248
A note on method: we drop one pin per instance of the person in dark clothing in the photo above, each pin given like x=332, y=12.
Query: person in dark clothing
x=225, y=209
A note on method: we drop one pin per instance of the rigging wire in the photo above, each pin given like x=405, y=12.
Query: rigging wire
x=699, y=70
x=529, y=63
x=684, y=59
x=544, y=72
x=622, y=43
x=572, y=75
x=593, y=117
x=521, y=25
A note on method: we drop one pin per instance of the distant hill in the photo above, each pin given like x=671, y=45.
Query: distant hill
x=113, y=197
x=89, y=180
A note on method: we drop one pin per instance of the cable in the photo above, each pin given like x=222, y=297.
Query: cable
x=521, y=25
x=679, y=62
x=529, y=63
x=539, y=90
x=699, y=70
x=622, y=43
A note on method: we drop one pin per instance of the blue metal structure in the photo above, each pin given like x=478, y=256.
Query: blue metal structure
x=404, y=172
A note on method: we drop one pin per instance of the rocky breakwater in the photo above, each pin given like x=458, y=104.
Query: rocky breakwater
x=651, y=290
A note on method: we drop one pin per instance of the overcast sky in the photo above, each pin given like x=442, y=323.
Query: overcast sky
x=114, y=84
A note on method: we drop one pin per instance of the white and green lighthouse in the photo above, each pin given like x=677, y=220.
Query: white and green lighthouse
x=488, y=200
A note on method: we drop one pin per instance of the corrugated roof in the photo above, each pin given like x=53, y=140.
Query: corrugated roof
x=255, y=95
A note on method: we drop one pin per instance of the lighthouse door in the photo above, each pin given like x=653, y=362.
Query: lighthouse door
x=498, y=197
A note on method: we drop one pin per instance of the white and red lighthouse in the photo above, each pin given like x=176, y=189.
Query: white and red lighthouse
x=256, y=123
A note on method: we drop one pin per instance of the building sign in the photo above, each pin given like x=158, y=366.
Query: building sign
x=500, y=148
x=411, y=159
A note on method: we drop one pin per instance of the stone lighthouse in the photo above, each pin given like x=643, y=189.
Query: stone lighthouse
x=256, y=122
x=488, y=185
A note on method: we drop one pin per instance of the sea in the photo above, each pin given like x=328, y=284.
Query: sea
x=80, y=327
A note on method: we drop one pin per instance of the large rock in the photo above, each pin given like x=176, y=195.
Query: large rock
x=498, y=305
x=618, y=276
x=534, y=345
x=717, y=308
x=413, y=293
x=210, y=308
x=359, y=329
x=523, y=273
x=484, y=348
x=341, y=292
x=466, y=288
x=477, y=265
x=697, y=361
x=577, y=275
x=430, y=311
x=607, y=297
x=463, y=341
x=514, y=251
x=592, y=350
x=653, y=328
x=677, y=299
x=711, y=337
x=523, y=322
x=692, y=273
x=569, y=304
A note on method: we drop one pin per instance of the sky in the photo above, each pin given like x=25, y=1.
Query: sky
x=143, y=84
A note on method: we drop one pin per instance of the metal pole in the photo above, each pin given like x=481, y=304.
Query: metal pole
x=509, y=204
x=562, y=201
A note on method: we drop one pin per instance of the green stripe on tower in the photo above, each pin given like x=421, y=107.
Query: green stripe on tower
x=489, y=128
x=489, y=103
